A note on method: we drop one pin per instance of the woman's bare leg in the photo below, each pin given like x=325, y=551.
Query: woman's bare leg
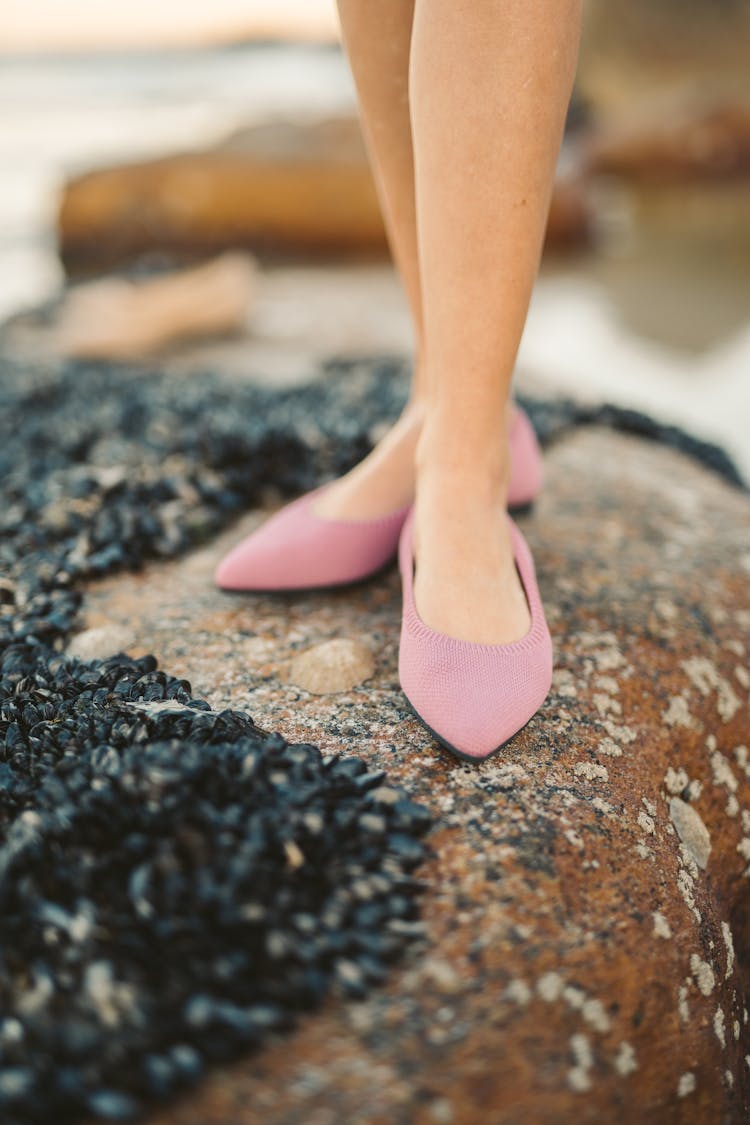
x=489, y=86
x=377, y=35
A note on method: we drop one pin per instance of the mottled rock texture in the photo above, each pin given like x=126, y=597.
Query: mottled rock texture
x=588, y=904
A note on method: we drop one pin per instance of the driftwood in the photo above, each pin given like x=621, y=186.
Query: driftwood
x=119, y=319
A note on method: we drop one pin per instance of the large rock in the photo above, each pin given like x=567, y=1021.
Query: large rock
x=279, y=187
x=640, y=56
x=711, y=142
x=588, y=897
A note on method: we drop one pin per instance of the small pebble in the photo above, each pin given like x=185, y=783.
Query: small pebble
x=336, y=665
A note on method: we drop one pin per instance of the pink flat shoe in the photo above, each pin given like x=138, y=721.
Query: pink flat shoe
x=473, y=697
x=526, y=463
x=298, y=550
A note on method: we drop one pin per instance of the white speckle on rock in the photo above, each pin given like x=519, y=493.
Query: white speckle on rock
x=607, y=683
x=620, y=732
x=694, y=790
x=744, y=850
x=666, y=609
x=719, y=1026
x=675, y=780
x=678, y=714
x=625, y=1061
x=703, y=973
x=682, y=1004
x=594, y=1013
x=742, y=754
x=336, y=665
x=646, y=822
x=602, y=806
x=688, y=862
x=609, y=659
x=573, y=838
x=685, y=887
x=518, y=990
x=702, y=673
x=743, y=676
x=726, y=933
x=729, y=1078
x=441, y=1111
x=578, y=1076
x=605, y=704
x=733, y=805
x=609, y=747
x=575, y=997
x=661, y=925
x=704, y=676
x=499, y=775
x=686, y=1084
x=442, y=974
x=691, y=830
x=550, y=986
x=722, y=772
x=649, y=806
x=644, y=851
x=563, y=683
x=592, y=771
x=736, y=1029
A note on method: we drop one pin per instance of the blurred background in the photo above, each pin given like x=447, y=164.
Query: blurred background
x=187, y=181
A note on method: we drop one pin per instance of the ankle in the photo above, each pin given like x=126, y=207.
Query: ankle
x=414, y=411
x=459, y=467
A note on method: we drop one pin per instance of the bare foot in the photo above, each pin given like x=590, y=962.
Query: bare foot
x=466, y=583
x=383, y=481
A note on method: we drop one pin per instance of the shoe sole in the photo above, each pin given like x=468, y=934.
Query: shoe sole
x=290, y=591
x=453, y=749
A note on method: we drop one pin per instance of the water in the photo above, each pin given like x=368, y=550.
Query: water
x=66, y=114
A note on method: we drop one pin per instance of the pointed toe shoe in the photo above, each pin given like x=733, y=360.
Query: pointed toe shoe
x=473, y=697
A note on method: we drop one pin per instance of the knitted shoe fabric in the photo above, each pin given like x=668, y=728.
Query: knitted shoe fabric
x=296, y=549
x=473, y=697
x=526, y=462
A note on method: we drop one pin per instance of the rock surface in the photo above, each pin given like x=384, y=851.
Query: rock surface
x=100, y=641
x=588, y=937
